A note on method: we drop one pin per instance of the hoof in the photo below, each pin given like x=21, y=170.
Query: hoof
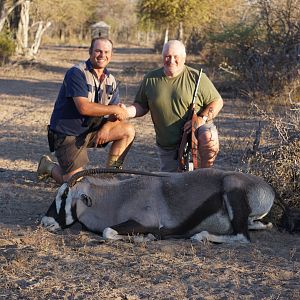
x=111, y=234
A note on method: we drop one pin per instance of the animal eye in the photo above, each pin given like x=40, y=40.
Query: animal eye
x=86, y=200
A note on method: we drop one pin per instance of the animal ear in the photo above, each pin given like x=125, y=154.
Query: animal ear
x=86, y=200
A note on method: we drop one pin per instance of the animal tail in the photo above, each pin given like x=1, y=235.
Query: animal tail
x=279, y=202
x=290, y=219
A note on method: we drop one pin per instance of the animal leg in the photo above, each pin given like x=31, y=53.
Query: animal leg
x=206, y=236
x=258, y=225
x=130, y=227
x=111, y=234
x=238, y=211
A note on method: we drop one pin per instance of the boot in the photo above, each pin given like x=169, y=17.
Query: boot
x=45, y=167
x=114, y=162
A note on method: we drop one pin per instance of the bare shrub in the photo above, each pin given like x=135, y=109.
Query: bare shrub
x=261, y=50
x=274, y=59
x=279, y=162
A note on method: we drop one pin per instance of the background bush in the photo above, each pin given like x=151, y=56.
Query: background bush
x=7, y=48
x=262, y=51
x=278, y=163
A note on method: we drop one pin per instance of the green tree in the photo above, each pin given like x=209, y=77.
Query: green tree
x=163, y=14
x=70, y=18
x=181, y=15
x=121, y=16
x=261, y=46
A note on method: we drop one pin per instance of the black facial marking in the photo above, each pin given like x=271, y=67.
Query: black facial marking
x=65, y=194
x=73, y=212
x=51, y=212
x=62, y=211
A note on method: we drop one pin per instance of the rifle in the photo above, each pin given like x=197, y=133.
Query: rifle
x=188, y=149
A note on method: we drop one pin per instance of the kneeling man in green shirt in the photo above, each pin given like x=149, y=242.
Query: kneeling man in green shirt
x=167, y=93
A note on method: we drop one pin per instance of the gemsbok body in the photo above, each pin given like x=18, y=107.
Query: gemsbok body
x=211, y=204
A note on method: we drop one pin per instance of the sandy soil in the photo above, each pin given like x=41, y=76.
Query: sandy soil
x=73, y=264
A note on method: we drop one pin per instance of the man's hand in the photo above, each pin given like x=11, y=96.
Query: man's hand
x=121, y=112
x=102, y=135
x=188, y=125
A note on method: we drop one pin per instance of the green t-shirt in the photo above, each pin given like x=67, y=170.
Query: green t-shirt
x=168, y=100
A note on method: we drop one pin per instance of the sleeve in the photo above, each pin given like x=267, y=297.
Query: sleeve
x=141, y=96
x=207, y=91
x=75, y=83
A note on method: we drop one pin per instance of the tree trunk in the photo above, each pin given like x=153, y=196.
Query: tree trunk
x=138, y=37
x=80, y=35
x=166, y=35
x=180, y=32
x=23, y=28
x=38, y=37
x=2, y=15
x=62, y=35
x=5, y=12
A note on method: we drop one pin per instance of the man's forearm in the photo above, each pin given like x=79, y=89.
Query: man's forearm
x=131, y=110
x=212, y=110
x=92, y=109
x=135, y=110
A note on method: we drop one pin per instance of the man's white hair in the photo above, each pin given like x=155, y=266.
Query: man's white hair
x=176, y=44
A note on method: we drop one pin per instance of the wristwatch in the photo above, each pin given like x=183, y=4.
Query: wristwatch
x=205, y=118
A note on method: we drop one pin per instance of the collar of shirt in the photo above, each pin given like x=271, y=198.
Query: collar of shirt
x=90, y=68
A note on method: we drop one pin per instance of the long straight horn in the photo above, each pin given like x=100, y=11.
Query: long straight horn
x=96, y=171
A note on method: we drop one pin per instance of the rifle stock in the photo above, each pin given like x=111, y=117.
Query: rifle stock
x=189, y=145
x=183, y=151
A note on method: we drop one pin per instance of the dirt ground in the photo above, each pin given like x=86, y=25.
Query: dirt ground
x=74, y=264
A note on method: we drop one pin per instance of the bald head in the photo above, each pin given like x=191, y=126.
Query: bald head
x=176, y=46
x=174, y=58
